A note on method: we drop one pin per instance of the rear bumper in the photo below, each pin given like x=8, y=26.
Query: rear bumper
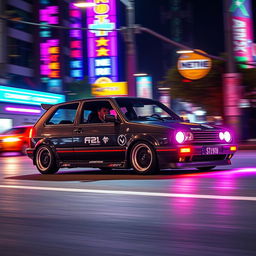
x=30, y=152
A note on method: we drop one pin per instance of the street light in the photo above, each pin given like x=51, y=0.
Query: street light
x=130, y=46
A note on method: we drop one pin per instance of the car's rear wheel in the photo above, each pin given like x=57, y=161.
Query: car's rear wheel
x=205, y=168
x=143, y=158
x=45, y=160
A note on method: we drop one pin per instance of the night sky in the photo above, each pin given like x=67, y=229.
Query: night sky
x=207, y=32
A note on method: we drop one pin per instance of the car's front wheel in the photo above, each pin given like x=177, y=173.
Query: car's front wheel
x=45, y=160
x=206, y=168
x=143, y=158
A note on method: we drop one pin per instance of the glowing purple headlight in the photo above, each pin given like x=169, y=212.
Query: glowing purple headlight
x=180, y=137
x=225, y=136
x=221, y=136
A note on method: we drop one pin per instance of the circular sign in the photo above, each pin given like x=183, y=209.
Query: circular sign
x=194, y=66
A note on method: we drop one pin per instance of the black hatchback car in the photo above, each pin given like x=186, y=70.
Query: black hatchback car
x=124, y=132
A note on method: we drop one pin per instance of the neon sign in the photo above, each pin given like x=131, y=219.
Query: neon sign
x=23, y=96
x=242, y=26
x=76, y=53
x=102, y=44
x=49, y=47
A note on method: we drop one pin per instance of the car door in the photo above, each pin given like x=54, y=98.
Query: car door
x=58, y=130
x=98, y=142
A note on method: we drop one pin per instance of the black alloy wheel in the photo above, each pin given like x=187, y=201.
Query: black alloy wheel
x=143, y=158
x=45, y=160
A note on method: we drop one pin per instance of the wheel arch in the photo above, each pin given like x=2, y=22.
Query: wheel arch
x=45, y=142
x=148, y=139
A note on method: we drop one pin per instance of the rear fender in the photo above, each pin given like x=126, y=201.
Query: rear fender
x=47, y=142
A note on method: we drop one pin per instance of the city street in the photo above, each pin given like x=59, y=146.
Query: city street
x=91, y=212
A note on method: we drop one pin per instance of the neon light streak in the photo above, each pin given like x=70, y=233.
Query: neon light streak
x=17, y=95
x=23, y=110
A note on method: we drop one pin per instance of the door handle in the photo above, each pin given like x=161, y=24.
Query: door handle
x=78, y=130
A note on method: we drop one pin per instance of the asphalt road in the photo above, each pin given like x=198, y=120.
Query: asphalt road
x=90, y=212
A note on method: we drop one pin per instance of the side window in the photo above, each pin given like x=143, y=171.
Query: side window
x=63, y=115
x=94, y=111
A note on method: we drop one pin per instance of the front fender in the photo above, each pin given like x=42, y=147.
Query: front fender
x=152, y=140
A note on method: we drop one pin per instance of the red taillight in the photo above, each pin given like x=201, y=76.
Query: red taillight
x=30, y=133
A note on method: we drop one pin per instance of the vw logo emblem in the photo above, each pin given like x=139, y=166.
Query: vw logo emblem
x=121, y=140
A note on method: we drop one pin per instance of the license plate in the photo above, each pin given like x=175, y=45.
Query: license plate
x=210, y=150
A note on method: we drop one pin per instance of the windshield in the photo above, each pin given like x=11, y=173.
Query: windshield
x=145, y=109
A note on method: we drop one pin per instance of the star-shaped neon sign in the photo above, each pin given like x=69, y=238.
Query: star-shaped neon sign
x=102, y=41
x=102, y=52
x=239, y=4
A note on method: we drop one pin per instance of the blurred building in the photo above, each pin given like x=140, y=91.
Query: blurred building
x=35, y=62
x=38, y=64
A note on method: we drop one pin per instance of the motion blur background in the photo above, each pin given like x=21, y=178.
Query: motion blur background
x=42, y=64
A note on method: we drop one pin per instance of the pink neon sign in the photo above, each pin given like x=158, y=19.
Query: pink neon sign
x=76, y=48
x=102, y=40
x=242, y=27
x=49, y=47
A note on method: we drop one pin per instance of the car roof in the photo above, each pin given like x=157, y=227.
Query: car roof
x=47, y=106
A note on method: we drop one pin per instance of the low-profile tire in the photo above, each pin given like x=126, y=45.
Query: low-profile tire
x=45, y=160
x=143, y=158
x=206, y=168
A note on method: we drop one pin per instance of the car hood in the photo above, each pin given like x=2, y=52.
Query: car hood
x=181, y=125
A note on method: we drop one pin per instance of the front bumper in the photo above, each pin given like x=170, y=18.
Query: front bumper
x=195, y=155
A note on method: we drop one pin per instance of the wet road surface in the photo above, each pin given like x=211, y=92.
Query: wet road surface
x=90, y=212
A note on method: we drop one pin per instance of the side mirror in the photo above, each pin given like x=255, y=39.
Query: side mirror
x=110, y=118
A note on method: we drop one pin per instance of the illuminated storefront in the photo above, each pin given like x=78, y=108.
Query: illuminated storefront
x=21, y=106
x=102, y=45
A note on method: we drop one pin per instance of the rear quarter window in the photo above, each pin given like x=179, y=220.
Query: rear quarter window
x=64, y=114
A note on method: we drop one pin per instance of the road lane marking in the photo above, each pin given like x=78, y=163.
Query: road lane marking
x=132, y=193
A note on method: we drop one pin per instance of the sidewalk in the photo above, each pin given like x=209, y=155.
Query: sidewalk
x=247, y=145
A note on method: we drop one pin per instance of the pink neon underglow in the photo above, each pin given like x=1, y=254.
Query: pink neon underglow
x=23, y=110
